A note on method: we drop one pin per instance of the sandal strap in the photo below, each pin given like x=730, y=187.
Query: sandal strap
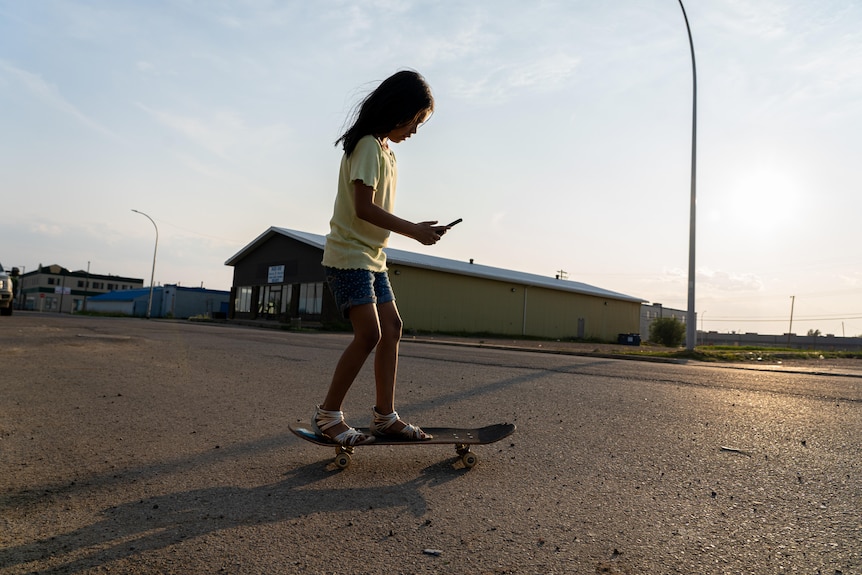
x=351, y=437
x=324, y=419
x=382, y=423
x=414, y=432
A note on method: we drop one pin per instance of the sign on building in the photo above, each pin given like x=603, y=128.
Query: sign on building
x=276, y=274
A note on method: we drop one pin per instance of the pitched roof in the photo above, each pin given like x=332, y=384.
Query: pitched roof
x=403, y=257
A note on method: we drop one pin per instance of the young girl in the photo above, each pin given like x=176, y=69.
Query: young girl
x=354, y=258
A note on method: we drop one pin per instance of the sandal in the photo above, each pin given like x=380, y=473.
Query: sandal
x=324, y=419
x=381, y=423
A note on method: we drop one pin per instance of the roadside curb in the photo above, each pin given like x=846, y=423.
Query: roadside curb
x=631, y=357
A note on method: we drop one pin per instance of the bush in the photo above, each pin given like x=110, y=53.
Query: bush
x=667, y=331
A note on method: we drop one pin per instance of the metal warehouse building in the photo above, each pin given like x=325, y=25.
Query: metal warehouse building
x=167, y=301
x=278, y=276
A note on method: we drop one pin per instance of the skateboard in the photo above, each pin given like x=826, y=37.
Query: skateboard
x=461, y=438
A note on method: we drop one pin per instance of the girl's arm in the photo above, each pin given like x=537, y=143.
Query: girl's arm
x=423, y=232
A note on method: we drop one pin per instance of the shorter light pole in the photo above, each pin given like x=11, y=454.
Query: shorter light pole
x=153, y=272
x=87, y=287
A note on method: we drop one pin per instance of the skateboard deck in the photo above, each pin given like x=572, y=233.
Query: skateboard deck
x=461, y=438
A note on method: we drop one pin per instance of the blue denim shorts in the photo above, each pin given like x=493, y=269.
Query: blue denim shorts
x=358, y=287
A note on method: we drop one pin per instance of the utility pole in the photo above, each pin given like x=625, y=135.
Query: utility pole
x=790, y=329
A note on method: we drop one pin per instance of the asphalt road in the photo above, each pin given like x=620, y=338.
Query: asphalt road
x=134, y=446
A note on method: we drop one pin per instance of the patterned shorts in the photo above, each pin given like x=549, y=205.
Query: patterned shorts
x=358, y=287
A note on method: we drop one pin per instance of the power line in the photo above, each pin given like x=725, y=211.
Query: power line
x=774, y=319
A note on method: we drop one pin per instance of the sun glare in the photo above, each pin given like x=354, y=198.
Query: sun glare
x=765, y=200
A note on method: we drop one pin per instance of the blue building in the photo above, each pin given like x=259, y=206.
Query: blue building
x=168, y=301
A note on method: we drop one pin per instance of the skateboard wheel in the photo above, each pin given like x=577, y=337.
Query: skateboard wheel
x=469, y=460
x=342, y=460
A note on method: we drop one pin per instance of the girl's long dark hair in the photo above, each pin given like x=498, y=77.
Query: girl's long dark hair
x=398, y=100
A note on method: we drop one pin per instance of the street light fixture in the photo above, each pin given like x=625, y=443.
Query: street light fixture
x=153, y=272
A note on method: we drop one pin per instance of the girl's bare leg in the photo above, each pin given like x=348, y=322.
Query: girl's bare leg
x=366, y=335
x=386, y=357
x=386, y=363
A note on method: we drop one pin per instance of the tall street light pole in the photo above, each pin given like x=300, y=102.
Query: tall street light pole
x=691, y=316
x=153, y=272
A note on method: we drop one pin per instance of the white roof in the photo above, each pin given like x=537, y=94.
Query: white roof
x=402, y=257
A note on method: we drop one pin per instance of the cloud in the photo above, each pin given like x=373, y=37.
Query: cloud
x=505, y=80
x=792, y=58
x=152, y=69
x=763, y=19
x=709, y=279
x=44, y=229
x=728, y=281
x=50, y=95
x=437, y=49
x=852, y=279
x=222, y=133
x=213, y=136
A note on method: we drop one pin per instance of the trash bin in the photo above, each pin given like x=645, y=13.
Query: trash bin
x=629, y=339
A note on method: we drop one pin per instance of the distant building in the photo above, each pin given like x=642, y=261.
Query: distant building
x=279, y=276
x=652, y=312
x=813, y=342
x=54, y=288
x=168, y=301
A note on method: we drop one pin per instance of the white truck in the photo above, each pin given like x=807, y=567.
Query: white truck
x=7, y=291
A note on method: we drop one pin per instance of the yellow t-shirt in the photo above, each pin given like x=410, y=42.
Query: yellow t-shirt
x=353, y=243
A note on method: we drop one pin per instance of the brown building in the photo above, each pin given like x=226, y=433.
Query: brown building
x=279, y=276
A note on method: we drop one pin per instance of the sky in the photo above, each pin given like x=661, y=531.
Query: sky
x=562, y=136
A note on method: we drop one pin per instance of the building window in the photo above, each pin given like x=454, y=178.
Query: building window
x=270, y=300
x=243, y=300
x=286, y=294
x=311, y=298
x=274, y=299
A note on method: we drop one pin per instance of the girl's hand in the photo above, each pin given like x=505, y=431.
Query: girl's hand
x=424, y=232
x=427, y=234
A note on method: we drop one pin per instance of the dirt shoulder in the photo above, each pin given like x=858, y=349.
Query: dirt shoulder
x=813, y=364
